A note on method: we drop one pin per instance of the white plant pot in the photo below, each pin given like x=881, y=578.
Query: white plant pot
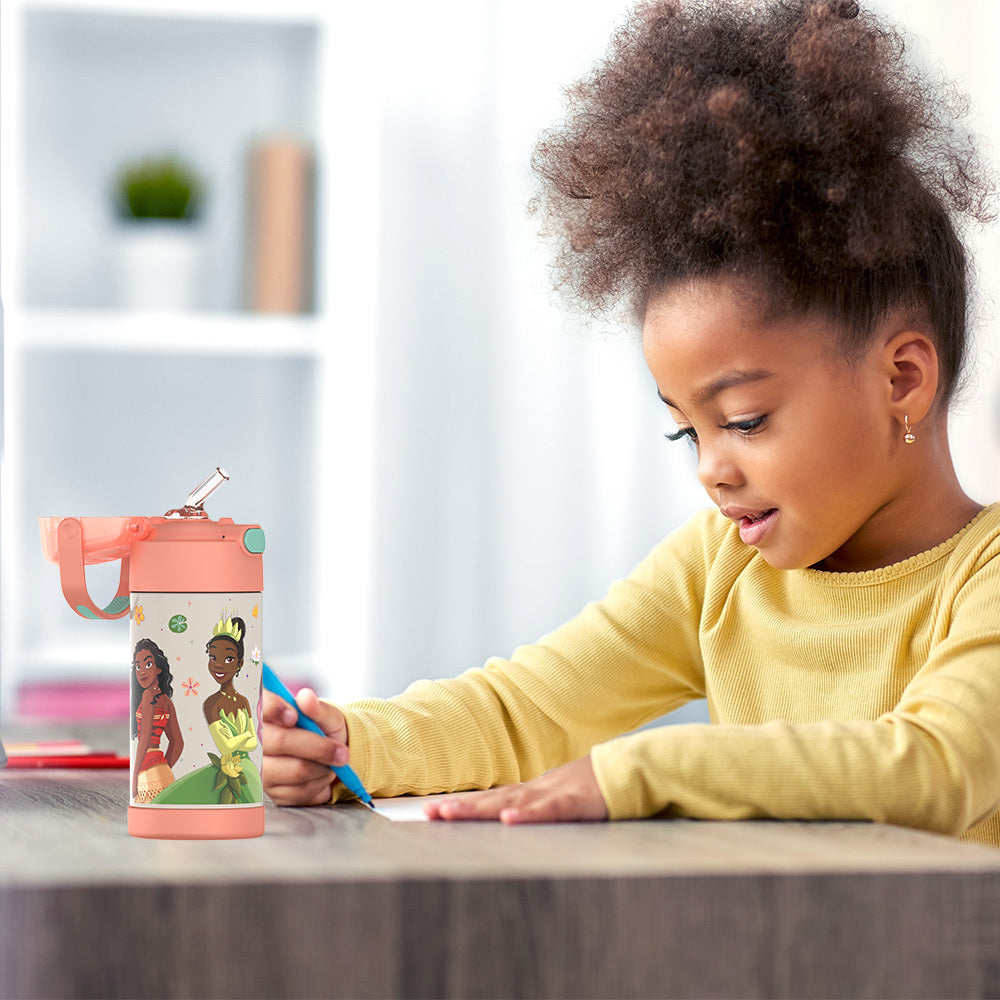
x=159, y=264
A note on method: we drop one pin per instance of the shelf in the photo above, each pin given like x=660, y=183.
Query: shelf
x=241, y=10
x=109, y=408
x=208, y=89
x=117, y=331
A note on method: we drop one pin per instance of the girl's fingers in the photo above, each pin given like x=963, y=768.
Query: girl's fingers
x=296, y=781
x=552, y=808
x=297, y=765
x=325, y=714
x=282, y=742
x=566, y=793
x=277, y=710
x=297, y=761
x=474, y=805
x=282, y=769
x=310, y=793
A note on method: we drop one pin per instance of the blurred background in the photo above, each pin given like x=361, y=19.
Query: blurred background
x=352, y=315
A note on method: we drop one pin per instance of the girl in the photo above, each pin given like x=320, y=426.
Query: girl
x=776, y=195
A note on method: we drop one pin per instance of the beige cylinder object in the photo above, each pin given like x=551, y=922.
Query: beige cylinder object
x=280, y=226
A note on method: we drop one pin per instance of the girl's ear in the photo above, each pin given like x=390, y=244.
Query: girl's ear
x=910, y=360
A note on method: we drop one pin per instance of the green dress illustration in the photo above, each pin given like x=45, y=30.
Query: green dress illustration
x=230, y=777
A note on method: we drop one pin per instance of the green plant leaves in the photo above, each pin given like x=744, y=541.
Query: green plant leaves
x=158, y=188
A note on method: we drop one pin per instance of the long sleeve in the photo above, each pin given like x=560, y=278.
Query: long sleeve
x=857, y=695
x=622, y=662
x=930, y=760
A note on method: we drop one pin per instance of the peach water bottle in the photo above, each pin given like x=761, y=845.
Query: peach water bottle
x=192, y=588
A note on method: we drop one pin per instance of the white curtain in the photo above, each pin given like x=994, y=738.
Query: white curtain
x=520, y=460
x=520, y=464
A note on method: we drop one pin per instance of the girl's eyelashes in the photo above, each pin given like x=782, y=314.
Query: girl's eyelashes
x=744, y=427
x=684, y=432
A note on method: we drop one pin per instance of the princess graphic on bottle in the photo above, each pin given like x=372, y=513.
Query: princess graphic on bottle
x=225, y=661
x=154, y=717
x=230, y=777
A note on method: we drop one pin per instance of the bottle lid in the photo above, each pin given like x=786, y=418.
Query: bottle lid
x=75, y=542
x=104, y=539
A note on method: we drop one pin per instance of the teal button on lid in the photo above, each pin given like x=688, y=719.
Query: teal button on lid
x=253, y=540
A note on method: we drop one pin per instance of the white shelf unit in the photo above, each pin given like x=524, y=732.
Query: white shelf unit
x=109, y=411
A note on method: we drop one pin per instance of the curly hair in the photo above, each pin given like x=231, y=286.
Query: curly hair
x=786, y=144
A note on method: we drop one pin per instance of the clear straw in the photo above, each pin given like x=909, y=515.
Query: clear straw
x=204, y=490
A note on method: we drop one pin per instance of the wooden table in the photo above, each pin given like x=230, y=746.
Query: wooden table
x=339, y=901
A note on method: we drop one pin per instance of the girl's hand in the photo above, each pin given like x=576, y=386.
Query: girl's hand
x=297, y=762
x=569, y=792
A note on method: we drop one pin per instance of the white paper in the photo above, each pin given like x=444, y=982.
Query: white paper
x=401, y=810
x=409, y=808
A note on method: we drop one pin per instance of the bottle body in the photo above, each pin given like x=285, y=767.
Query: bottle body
x=192, y=588
x=195, y=715
x=196, y=625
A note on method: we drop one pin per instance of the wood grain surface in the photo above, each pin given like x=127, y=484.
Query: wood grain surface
x=339, y=901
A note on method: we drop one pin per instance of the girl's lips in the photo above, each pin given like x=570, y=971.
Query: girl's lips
x=753, y=529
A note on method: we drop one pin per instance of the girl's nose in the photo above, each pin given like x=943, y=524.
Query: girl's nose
x=716, y=467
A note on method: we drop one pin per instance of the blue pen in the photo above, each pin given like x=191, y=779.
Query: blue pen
x=343, y=771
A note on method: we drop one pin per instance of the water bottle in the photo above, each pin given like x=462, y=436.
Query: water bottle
x=193, y=589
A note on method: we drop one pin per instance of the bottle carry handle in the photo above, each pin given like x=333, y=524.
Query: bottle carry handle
x=73, y=577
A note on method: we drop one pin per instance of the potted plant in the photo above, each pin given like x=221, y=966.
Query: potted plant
x=158, y=202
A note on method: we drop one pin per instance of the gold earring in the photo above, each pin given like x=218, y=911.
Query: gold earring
x=908, y=436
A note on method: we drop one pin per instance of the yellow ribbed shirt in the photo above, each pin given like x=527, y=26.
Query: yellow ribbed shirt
x=872, y=695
